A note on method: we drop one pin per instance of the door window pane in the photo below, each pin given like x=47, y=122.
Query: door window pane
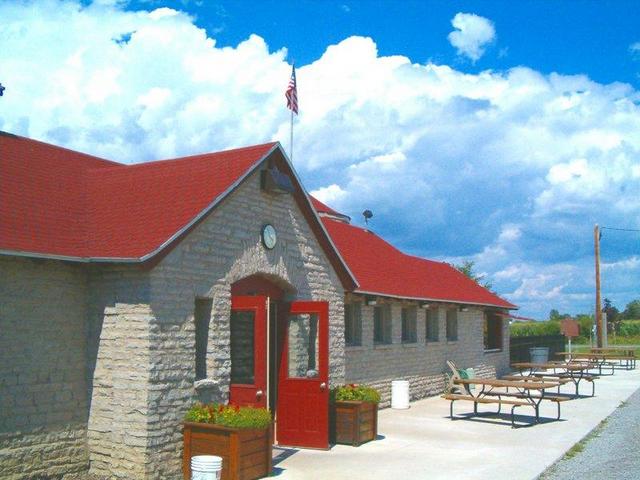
x=242, y=362
x=303, y=346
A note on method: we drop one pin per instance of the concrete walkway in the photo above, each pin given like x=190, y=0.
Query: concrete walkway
x=422, y=443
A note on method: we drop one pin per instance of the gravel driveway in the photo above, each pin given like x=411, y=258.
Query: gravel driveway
x=611, y=451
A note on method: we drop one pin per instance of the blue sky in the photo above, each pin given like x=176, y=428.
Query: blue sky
x=498, y=132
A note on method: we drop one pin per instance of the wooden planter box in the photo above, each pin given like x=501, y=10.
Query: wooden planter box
x=246, y=453
x=354, y=423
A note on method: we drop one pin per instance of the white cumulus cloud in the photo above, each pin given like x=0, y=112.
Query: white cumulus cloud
x=471, y=35
x=510, y=169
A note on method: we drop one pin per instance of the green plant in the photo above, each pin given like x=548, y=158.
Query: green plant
x=629, y=328
x=229, y=415
x=353, y=392
x=529, y=329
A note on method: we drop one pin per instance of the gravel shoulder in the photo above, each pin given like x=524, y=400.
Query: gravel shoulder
x=610, y=451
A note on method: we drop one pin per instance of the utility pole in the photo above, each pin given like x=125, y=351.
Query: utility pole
x=596, y=239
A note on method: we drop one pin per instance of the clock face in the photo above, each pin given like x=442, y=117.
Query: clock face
x=269, y=237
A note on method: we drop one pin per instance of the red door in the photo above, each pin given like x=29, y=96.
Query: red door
x=248, y=329
x=303, y=393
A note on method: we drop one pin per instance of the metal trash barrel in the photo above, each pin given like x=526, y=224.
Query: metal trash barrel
x=539, y=354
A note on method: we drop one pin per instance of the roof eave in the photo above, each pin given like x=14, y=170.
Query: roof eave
x=431, y=299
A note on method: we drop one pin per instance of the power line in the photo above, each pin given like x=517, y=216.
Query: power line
x=620, y=229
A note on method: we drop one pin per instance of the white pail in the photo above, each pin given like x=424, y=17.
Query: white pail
x=400, y=394
x=206, y=467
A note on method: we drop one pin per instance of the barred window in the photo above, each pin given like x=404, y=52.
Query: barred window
x=432, y=327
x=409, y=331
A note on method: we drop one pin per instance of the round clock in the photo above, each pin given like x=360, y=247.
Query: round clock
x=269, y=236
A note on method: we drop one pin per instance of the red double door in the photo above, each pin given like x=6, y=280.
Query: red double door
x=280, y=359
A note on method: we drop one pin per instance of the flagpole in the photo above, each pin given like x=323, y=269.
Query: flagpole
x=291, y=139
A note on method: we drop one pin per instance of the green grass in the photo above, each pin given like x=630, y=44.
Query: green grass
x=579, y=447
x=631, y=342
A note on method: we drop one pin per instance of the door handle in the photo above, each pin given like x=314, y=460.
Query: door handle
x=259, y=393
x=323, y=386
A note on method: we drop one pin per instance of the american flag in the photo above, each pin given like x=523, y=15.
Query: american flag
x=292, y=92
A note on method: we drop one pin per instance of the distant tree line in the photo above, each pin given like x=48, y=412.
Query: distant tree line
x=624, y=324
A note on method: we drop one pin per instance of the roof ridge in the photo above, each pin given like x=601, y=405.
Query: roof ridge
x=174, y=160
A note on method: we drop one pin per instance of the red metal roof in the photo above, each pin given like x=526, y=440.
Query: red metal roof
x=55, y=201
x=382, y=269
x=322, y=207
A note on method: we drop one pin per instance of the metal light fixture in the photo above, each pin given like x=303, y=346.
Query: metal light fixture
x=370, y=300
x=464, y=309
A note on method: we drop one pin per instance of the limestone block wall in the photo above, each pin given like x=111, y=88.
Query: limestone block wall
x=43, y=388
x=119, y=345
x=223, y=249
x=422, y=363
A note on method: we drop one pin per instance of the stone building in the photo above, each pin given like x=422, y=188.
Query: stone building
x=129, y=291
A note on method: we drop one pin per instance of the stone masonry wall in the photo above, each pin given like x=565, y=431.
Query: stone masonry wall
x=43, y=388
x=422, y=363
x=119, y=348
x=224, y=248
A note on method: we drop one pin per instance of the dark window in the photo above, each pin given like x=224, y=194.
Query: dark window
x=492, y=332
x=409, y=333
x=452, y=324
x=432, y=330
x=382, y=324
x=201, y=316
x=242, y=360
x=352, y=324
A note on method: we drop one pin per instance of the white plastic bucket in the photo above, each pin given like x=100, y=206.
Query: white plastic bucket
x=400, y=394
x=206, y=467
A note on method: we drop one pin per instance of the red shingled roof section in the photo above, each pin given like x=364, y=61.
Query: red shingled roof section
x=54, y=201
x=381, y=268
x=42, y=196
x=134, y=210
x=321, y=207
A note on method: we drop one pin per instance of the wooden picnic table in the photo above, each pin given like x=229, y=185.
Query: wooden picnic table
x=525, y=397
x=576, y=372
x=602, y=358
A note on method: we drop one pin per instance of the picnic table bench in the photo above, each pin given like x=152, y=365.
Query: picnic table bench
x=625, y=358
x=489, y=395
